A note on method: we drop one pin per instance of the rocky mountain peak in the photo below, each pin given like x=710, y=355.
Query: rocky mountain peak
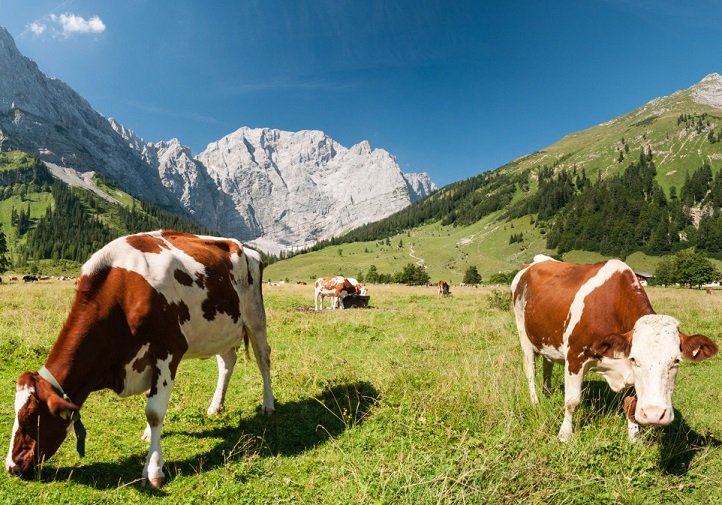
x=708, y=91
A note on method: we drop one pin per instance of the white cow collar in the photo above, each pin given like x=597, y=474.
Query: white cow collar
x=78, y=427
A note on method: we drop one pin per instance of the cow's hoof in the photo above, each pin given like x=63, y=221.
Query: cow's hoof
x=154, y=482
x=268, y=411
x=213, y=410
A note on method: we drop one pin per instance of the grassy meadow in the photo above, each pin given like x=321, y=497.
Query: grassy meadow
x=414, y=400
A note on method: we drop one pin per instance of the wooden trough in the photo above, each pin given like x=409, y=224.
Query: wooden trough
x=355, y=301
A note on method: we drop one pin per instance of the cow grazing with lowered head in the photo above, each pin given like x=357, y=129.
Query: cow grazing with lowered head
x=337, y=287
x=598, y=317
x=143, y=303
x=361, y=289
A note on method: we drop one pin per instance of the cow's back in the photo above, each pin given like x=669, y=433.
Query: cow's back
x=564, y=301
x=206, y=287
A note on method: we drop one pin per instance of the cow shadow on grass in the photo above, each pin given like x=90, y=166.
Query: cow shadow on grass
x=678, y=442
x=296, y=427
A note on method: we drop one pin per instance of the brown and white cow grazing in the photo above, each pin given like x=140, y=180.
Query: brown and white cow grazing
x=598, y=317
x=143, y=303
x=337, y=287
x=443, y=288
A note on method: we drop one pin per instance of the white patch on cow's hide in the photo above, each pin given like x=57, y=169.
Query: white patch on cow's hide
x=576, y=309
x=137, y=382
x=552, y=353
x=617, y=373
x=22, y=396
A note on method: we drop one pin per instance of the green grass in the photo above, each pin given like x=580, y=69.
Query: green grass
x=415, y=400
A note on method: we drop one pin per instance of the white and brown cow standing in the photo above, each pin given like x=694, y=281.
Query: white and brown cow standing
x=443, y=288
x=597, y=317
x=337, y=287
x=143, y=303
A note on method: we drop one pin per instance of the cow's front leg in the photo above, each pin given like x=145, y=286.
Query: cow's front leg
x=155, y=409
x=572, y=398
x=226, y=362
x=630, y=405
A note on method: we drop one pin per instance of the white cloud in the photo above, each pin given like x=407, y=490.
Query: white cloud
x=65, y=25
x=73, y=24
x=37, y=28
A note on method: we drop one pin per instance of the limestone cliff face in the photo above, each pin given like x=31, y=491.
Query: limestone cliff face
x=296, y=188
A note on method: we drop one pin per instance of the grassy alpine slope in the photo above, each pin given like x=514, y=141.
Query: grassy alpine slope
x=416, y=400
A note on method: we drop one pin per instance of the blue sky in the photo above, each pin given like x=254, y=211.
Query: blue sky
x=452, y=88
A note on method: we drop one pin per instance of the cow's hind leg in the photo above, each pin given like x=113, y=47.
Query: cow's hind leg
x=262, y=351
x=226, y=362
x=528, y=353
x=547, y=367
x=155, y=409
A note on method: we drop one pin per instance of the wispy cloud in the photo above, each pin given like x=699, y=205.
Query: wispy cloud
x=65, y=26
x=299, y=84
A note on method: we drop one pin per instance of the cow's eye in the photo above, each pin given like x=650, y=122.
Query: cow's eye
x=676, y=362
x=633, y=361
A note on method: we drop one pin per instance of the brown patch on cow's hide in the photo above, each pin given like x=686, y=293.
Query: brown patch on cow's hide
x=152, y=418
x=88, y=283
x=248, y=270
x=201, y=280
x=140, y=364
x=219, y=282
x=184, y=314
x=630, y=405
x=146, y=243
x=183, y=277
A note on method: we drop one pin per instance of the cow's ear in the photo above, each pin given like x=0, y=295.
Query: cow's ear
x=614, y=345
x=57, y=405
x=697, y=347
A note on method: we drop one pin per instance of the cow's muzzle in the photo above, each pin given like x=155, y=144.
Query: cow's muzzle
x=654, y=415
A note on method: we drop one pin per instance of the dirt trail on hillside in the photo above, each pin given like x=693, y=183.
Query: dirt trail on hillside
x=419, y=261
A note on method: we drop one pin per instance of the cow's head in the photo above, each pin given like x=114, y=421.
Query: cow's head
x=42, y=419
x=654, y=348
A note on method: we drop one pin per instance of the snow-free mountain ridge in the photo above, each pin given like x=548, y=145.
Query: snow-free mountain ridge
x=281, y=189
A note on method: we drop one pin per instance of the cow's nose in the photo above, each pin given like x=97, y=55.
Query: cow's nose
x=654, y=415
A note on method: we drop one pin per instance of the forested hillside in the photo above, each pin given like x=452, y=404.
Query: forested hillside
x=44, y=219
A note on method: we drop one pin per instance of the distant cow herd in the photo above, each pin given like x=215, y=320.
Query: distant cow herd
x=36, y=278
x=145, y=302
